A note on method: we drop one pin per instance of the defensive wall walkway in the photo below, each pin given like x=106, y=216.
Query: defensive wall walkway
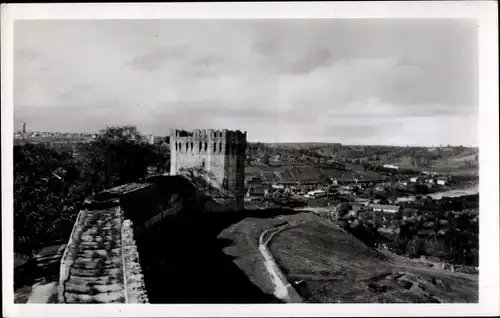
x=101, y=262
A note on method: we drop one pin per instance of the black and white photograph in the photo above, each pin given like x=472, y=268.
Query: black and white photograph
x=238, y=161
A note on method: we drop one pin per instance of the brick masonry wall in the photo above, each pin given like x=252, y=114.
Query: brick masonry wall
x=135, y=290
x=220, y=153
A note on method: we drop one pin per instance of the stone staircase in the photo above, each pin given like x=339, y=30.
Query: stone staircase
x=95, y=273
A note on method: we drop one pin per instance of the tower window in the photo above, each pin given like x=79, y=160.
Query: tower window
x=191, y=146
x=203, y=163
x=180, y=146
x=187, y=146
x=206, y=146
x=215, y=147
x=176, y=146
x=200, y=147
x=220, y=146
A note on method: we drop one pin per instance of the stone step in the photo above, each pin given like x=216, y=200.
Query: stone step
x=109, y=288
x=111, y=279
x=90, y=239
x=91, y=216
x=93, y=289
x=96, y=272
x=94, y=283
x=96, y=258
x=78, y=298
x=79, y=289
x=117, y=296
x=94, y=267
x=89, y=255
x=105, y=225
x=92, y=227
x=98, y=246
x=100, y=232
x=95, y=263
x=93, y=272
x=103, y=252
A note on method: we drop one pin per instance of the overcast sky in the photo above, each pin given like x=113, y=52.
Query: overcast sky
x=402, y=82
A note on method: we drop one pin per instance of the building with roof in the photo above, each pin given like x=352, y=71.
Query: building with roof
x=384, y=208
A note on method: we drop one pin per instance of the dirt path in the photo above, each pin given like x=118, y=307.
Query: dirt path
x=282, y=289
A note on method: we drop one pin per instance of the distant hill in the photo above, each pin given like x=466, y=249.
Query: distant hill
x=337, y=267
x=301, y=145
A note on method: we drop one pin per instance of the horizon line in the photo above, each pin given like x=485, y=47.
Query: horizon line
x=270, y=142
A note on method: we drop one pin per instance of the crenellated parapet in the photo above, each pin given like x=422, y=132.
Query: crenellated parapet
x=207, y=133
x=212, y=141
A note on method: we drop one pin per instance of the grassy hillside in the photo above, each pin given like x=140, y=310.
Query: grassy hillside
x=336, y=267
x=450, y=159
x=310, y=173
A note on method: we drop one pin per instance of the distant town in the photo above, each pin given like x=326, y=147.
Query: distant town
x=419, y=203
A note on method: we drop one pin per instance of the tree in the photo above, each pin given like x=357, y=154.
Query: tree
x=265, y=159
x=398, y=215
x=344, y=208
x=323, y=179
x=44, y=207
x=118, y=157
x=414, y=247
x=365, y=166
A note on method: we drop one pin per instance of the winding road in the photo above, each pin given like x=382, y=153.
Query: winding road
x=283, y=290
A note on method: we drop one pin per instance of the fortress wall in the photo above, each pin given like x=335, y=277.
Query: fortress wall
x=135, y=290
x=100, y=263
x=104, y=231
x=68, y=256
x=221, y=153
x=141, y=204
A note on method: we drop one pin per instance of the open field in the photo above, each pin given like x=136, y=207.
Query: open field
x=310, y=173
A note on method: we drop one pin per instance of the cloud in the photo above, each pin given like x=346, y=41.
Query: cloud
x=268, y=47
x=347, y=81
x=373, y=107
x=205, y=61
x=153, y=60
x=310, y=62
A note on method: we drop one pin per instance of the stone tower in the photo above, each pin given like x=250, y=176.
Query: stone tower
x=220, y=153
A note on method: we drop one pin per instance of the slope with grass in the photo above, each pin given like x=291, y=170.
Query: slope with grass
x=337, y=267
